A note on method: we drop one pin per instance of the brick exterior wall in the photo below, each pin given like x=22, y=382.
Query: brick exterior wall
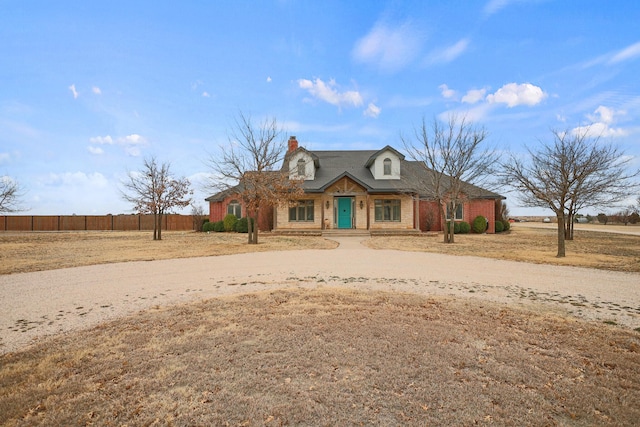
x=429, y=214
x=430, y=219
x=485, y=208
x=218, y=210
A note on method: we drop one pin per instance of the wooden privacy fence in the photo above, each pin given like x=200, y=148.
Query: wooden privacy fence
x=93, y=223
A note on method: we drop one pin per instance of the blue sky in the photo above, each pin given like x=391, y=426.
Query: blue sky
x=88, y=89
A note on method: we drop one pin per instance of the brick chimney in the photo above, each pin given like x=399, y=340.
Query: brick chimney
x=293, y=144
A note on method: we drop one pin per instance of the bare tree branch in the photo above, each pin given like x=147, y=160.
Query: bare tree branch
x=10, y=195
x=153, y=190
x=248, y=166
x=573, y=172
x=455, y=165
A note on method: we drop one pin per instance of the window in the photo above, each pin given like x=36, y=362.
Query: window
x=302, y=167
x=303, y=211
x=458, y=216
x=234, y=208
x=387, y=166
x=387, y=210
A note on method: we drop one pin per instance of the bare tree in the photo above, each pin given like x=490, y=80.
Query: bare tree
x=248, y=166
x=573, y=172
x=198, y=215
x=153, y=190
x=454, y=163
x=10, y=195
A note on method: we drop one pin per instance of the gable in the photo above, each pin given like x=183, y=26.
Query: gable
x=302, y=165
x=385, y=165
x=346, y=186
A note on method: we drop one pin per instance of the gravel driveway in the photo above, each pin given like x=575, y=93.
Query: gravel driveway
x=34, y=305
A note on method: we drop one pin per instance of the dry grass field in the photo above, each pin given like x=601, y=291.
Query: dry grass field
x=593, y=249
x=326, y=356
x=21, y=251
x=329, y=357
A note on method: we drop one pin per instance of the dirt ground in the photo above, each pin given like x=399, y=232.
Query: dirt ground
x=318, y=336
x=329, y=357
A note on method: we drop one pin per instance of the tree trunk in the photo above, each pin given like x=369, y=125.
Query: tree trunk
x=155, y=226
x=561, y=231
x=159, y=226
x=445, y=228
x=568, y=234
x=252, y=231
x=255, y=231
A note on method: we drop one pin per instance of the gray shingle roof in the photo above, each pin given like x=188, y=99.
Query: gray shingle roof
x=331, y=166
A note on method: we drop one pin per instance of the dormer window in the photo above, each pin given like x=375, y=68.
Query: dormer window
x=302, y=167
x=387, y=166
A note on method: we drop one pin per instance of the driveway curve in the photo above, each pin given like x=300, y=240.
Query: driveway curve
x=34, y=305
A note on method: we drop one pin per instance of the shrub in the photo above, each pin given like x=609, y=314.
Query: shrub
x=464, y=228
x=208, y=226
x=499, y=227
x=479, y=224
x=218, y=226
x=506, y=225
x=242, y=226
x=230, y=222
x=456, y=227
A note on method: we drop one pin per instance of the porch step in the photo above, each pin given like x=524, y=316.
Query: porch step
x=346, y=232
x=392, y=232
x=298, y=232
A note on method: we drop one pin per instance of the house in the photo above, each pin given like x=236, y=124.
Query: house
x=375, y=190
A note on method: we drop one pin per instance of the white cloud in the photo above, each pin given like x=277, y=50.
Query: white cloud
x=101, y=140
x=446, y=92
x=477, y=113
x=206, y=94
x=598, y=129
x=268, y=79
x=473, y=96
x=4, y=157
x=449, y=53
x=78, y=192
x=389, y=48
x=372, y=110
x=494, y=6
x=130, y=143
x=604, y=114
x=601, y=121
x=95, y=179
x=514, y=94
x=627, y=53
x=96, y=90
x=95, y=150
x=73, y=90
x=328, y=92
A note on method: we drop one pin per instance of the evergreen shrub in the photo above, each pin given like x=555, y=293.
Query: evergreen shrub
x=479, y=224
x=242, y=226
x=230, y=222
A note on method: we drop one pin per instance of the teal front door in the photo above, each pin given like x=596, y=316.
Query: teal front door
x=344, y=212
